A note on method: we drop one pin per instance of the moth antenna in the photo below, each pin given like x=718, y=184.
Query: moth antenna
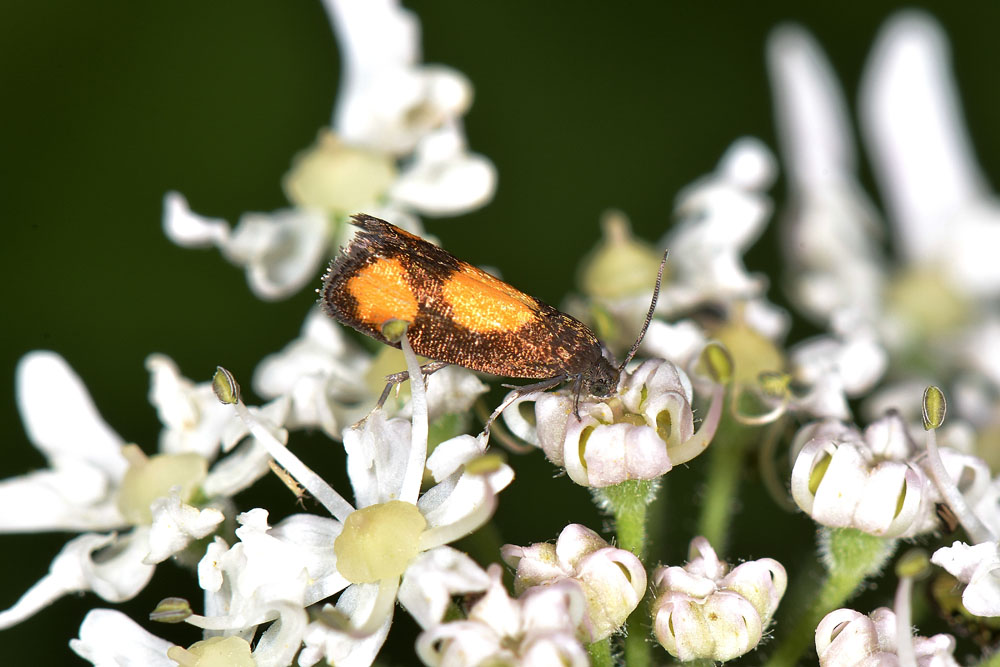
x=649, y=315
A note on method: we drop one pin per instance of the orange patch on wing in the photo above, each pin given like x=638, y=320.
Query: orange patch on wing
x=482, y=303
x=383, y=293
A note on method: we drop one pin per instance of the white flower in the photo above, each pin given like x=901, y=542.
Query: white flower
x=846, y=638
x=935, y=310
x=878, y=482
x=98, y=483
x=977, y=566
x=538, y=629
x=397, y=147
x=723, y=214
x=613, y=580
x=831, y=227
x=392, y=545
x=705, y=611
x=642, y=432
x=443, y=178
x=834, y=369
x=388, y=100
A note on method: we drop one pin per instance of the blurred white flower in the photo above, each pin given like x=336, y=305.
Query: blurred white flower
x=977, y=566
x=721, y=216
x=935, y=308
x=397, y=148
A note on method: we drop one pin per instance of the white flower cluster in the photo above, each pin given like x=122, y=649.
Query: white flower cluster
x=323, y=588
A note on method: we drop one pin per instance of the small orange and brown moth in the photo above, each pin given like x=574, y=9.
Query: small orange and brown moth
x=459, y=314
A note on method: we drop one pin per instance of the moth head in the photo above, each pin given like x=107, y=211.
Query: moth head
x=602, y=379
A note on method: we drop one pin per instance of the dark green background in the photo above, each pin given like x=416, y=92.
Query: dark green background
x=581, y=106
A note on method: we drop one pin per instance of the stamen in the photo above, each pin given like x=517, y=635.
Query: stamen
x=313, y=483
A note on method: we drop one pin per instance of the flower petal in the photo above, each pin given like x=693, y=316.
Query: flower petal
x=282, y=251
x=177, y=524
x=60, y=417
x=109, y=637
x=912, y=122
x=188, y=229
x=433, y=578
x=115, y=578
x=443, y=178
x=76, y=498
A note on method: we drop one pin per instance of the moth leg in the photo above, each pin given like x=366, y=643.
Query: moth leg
x=577, y=388
x=396, y=378
x=518, y=393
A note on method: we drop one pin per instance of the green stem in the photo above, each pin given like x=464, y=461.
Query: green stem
x=600, y=653
x=851, y=557
x=726, y=457
x=637, y=644
x=627, y=503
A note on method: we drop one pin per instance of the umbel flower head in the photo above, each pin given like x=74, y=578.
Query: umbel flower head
x=706, y=611
x=136, y=510
x=393, y=545
x=878, y=481
x=846, y=638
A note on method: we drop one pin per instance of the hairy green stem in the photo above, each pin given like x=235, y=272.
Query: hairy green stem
x=850, y=557
x=627, y=503
x=600, y=653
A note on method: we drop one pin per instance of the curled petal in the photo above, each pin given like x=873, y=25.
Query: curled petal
x=188, y=229
x=282, y=251
x=977, y=566
x=177, y=524
x=762, y=582
x=846, y=637
x=724, y=627
x=433, y=578
x=444, y=179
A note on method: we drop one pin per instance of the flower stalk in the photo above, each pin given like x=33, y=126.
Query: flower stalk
x=851, y=557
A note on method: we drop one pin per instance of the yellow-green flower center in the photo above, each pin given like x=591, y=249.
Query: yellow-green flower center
x=338, y=178
x=379, y=541
x=214, y=652
x=927, y=302
x=752, y=353
x=149, y=479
